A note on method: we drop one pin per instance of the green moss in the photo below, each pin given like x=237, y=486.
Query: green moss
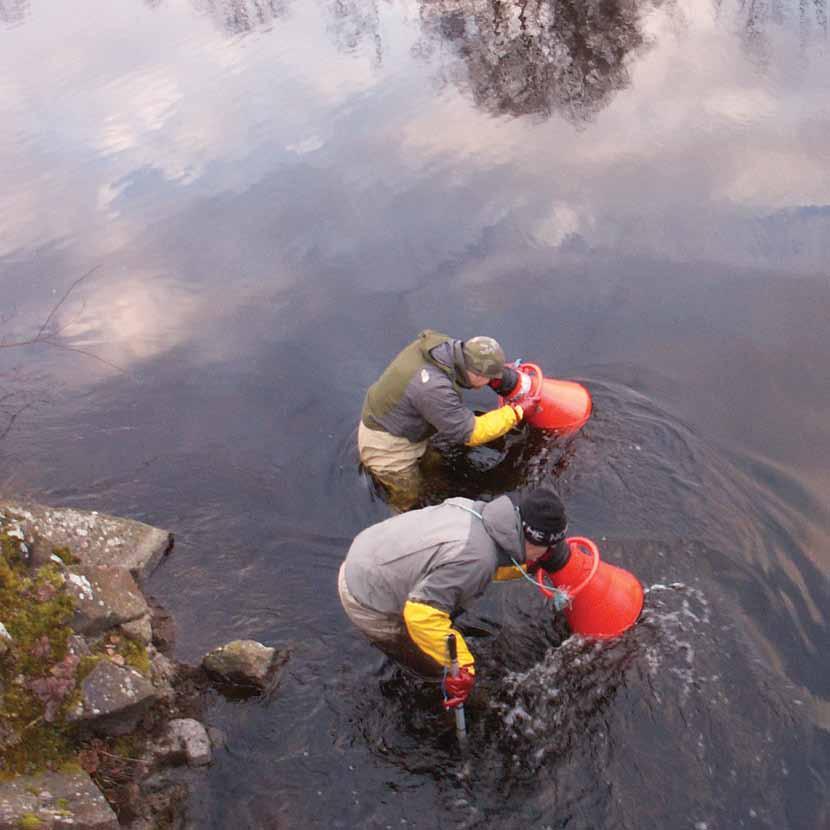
x=66, y=556
x=135, y=656
x=36, y=612
x=88, y=663
x=62, y=808
x=29, y=821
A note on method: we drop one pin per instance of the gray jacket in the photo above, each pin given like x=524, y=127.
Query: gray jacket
x=427, y=404
x=443, y=556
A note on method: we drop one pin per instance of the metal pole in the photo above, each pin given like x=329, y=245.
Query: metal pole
x=460, y=723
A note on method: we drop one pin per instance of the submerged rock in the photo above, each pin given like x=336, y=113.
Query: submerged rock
x=54, y=800
x=244, y=662
x=185, y=740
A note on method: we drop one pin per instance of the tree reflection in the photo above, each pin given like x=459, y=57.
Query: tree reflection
x=758, y=16
x=527, y=57
x=353, y=22
x=238, y=17
x=13, y=11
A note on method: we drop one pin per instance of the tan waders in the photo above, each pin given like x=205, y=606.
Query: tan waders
x=394, y=462
x=387, y=632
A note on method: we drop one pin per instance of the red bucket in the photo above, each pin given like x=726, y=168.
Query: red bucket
x=563, y=405
x=604, y=600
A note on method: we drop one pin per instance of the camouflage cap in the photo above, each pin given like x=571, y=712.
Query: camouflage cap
x=484, y=356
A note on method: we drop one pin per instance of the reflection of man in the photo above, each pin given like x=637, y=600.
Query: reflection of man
x=418, y=397
x=404, y=579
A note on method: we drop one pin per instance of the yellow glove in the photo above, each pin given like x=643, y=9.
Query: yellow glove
x=428, y=627
x=494, y=424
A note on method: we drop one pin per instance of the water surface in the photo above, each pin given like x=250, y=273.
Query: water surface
x=270, y=198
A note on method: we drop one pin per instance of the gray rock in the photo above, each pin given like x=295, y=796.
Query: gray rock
x=164, y=798
x=58, y=800
x=104, y=597
x=162, y=669
x=141, y=824
x=113, y=699
x=94, y=538
x=140, y=630
x=77, y=645
x=241, y=661
x=193, y=738
x=5, y=640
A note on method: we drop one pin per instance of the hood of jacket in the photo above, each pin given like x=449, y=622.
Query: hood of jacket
x=503, y=524
x=450, y=356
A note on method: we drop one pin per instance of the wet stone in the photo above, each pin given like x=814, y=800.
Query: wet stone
x=245, y=662
x=191, y=738
x=113, y=699
x=54, y=800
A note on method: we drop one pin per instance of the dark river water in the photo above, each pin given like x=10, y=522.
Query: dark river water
x=269, y=198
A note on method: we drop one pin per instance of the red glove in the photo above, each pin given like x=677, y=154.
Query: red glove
x=508, y=382
x=459, y=687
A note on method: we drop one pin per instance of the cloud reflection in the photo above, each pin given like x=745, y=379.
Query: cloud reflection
x=183, y=151
x=127, y=319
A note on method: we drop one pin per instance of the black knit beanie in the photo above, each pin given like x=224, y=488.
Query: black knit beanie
x=543, y=517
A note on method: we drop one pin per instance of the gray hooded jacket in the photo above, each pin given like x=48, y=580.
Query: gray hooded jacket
x=428, y=403
x=443, y=556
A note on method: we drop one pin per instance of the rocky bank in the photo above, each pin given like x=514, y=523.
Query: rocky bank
x=99, y=727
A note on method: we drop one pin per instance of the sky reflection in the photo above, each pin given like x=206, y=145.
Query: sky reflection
x=375, y=142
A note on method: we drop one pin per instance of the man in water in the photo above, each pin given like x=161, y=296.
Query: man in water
x=404, y=579
x=418, y=397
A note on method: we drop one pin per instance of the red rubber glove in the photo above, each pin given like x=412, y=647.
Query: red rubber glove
x=507, y=383
x=459, y=687
x=529, y=405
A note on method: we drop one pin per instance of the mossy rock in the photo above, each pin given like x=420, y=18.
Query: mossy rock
x=36, y=672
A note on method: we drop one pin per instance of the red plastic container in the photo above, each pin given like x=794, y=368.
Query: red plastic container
x=605, y=600
x=563, y=405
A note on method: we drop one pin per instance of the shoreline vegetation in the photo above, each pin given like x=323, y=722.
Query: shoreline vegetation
x=98, y=724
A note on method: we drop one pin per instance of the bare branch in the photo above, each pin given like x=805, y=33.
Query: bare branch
x=39, y=337
x=63, y=299
x=12, y=418
x=50, y=342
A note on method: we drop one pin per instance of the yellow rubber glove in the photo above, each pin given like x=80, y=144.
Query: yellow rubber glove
x=428, y=627
x=494, y=424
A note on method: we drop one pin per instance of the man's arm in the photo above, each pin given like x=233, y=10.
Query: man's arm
x=494, y=424
x=440, y=404
x=428, y=627
x=447, y=588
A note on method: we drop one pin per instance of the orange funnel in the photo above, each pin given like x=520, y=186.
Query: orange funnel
x=563, y=405
x=604, y=600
